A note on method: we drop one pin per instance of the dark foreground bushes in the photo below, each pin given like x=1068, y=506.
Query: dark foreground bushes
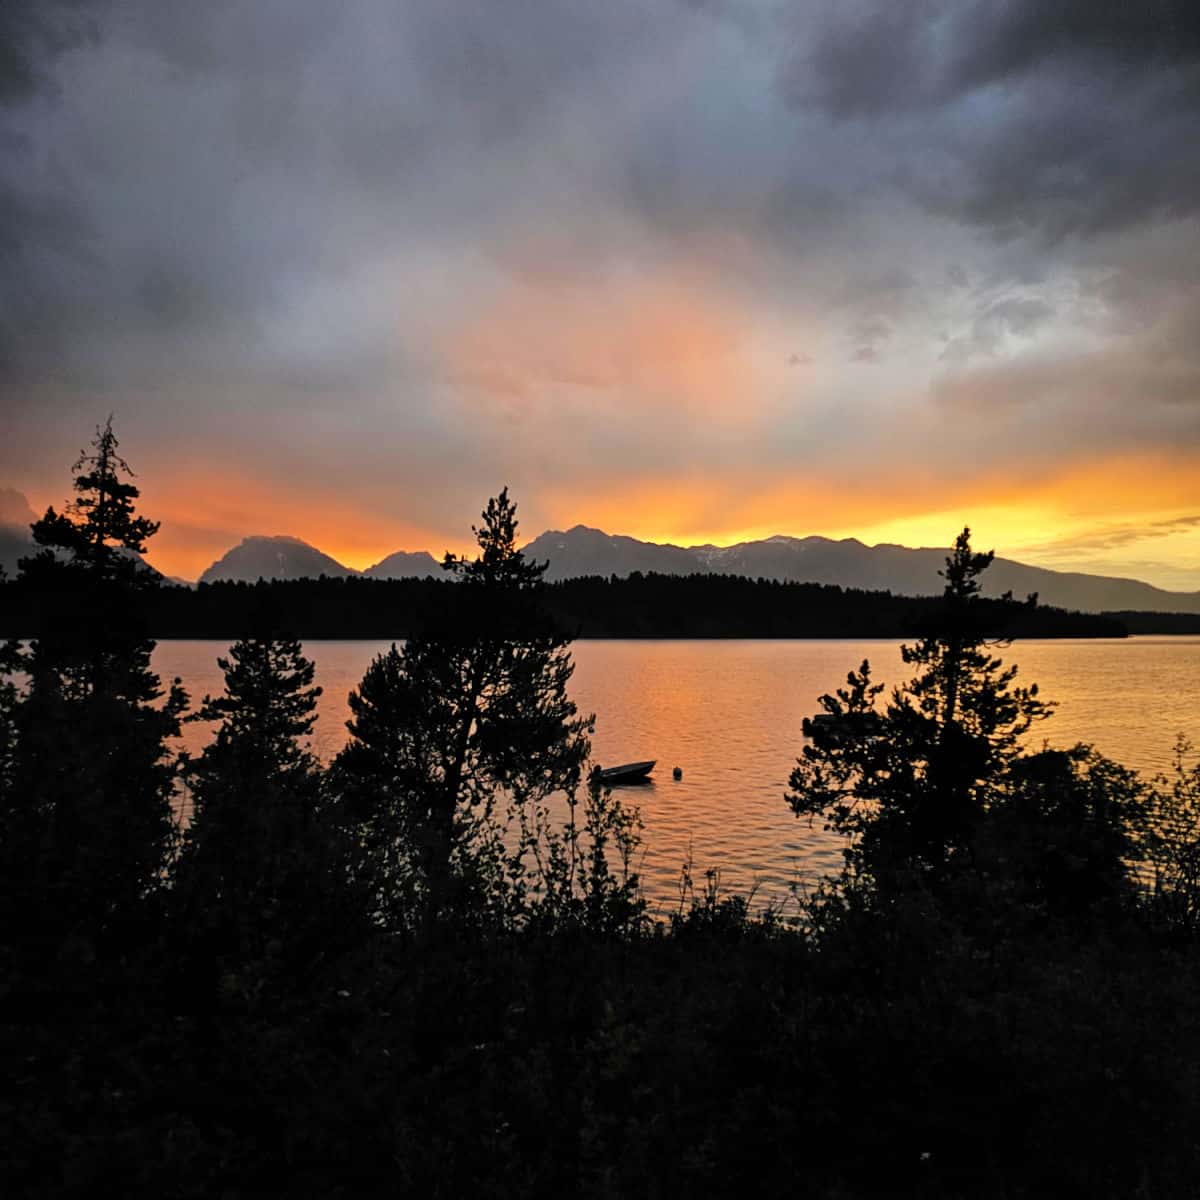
x=710, y=1059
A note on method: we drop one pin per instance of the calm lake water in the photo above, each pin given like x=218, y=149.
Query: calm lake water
x=729, y=712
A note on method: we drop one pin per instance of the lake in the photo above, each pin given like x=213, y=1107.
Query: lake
x=728, y=713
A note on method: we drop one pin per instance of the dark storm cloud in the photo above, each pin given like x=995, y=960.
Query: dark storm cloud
x=218, y=191
x=1060, y=155
x=1060, y=117
x=1004, y=39
x=34, y=35
x=869, y=57
x=35, y=32
x=248, y=154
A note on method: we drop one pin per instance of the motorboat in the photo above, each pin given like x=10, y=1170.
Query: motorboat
x=636, y=772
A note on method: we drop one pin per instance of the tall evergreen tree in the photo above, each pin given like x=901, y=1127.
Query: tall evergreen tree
x=380, y=779
x=475, y=708
x=87, y=824
x=260, y=866
x=253, y=788
x=908, y=783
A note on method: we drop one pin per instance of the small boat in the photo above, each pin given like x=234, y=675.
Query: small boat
x=637, y=772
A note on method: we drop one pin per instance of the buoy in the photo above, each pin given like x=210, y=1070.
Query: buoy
x=678, y=773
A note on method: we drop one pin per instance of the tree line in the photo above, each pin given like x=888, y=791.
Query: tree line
x=640, y=605
x=427, y=965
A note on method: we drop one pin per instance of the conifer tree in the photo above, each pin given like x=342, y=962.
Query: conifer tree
x=909, y=782
x=264, y=876
x=87, y=825
x=381, y=778
x=474, y=708
x=254, y=788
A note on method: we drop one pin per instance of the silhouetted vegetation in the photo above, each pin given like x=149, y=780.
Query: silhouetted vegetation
x=86, y=814
x=1151, y=622
x=426, y=967
x=909, y=785
x=666, y=606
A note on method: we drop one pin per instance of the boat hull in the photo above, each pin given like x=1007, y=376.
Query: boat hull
x=638, y=772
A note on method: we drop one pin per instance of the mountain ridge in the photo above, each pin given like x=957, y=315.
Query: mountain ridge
x=283, y=556
x=846, y=562
x=273, y=556
x=16, y=537
x=584, y=550
x=16, y=542
x=404, y=564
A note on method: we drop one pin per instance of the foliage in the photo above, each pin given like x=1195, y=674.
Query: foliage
x=976, y=1008
x=1063, y=833
x=90, y=558
x=1172, y=843
x=909, y=783
x=100, y=528
x=87, y=826
x=10, y=704
x=259, y=866
x=895, y=1058
x=566, y=873
x=465, y=718
x=376, y=782
x=641, y=605
x=268, y=705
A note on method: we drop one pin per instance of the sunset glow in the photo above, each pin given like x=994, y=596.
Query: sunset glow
x=816, y=303
x=1125, y=516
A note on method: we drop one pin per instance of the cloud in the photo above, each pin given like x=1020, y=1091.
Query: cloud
x=1110, y=537
x=1003, y=114
x=1130, y=549
x=376, y=260
x=33, y=33
x=868, y=337
x=1117, y=395
x=629, y=343
x=995, y=325
x=15, y=512
x=871, y=57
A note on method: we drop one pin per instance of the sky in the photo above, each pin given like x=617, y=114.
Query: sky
x=688, y=270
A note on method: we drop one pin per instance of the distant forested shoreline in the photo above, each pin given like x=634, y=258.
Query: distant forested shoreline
x=1153, y=622
x=637, y=606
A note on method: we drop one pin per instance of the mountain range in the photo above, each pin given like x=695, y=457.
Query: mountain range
x=15, y=518
x=583, y=551
x=847, y=563
x=282, y=557
x=16, y=541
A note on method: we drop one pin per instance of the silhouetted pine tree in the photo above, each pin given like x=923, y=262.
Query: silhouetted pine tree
x=381, y=780
x=474, y=708
x=87, y=824
x=260, y=868
x=909, y=783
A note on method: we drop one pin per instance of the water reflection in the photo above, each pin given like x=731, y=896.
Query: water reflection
x=729, y=713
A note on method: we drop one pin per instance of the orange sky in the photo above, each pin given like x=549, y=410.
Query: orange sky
x=1123, y=502
x=684, y=272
